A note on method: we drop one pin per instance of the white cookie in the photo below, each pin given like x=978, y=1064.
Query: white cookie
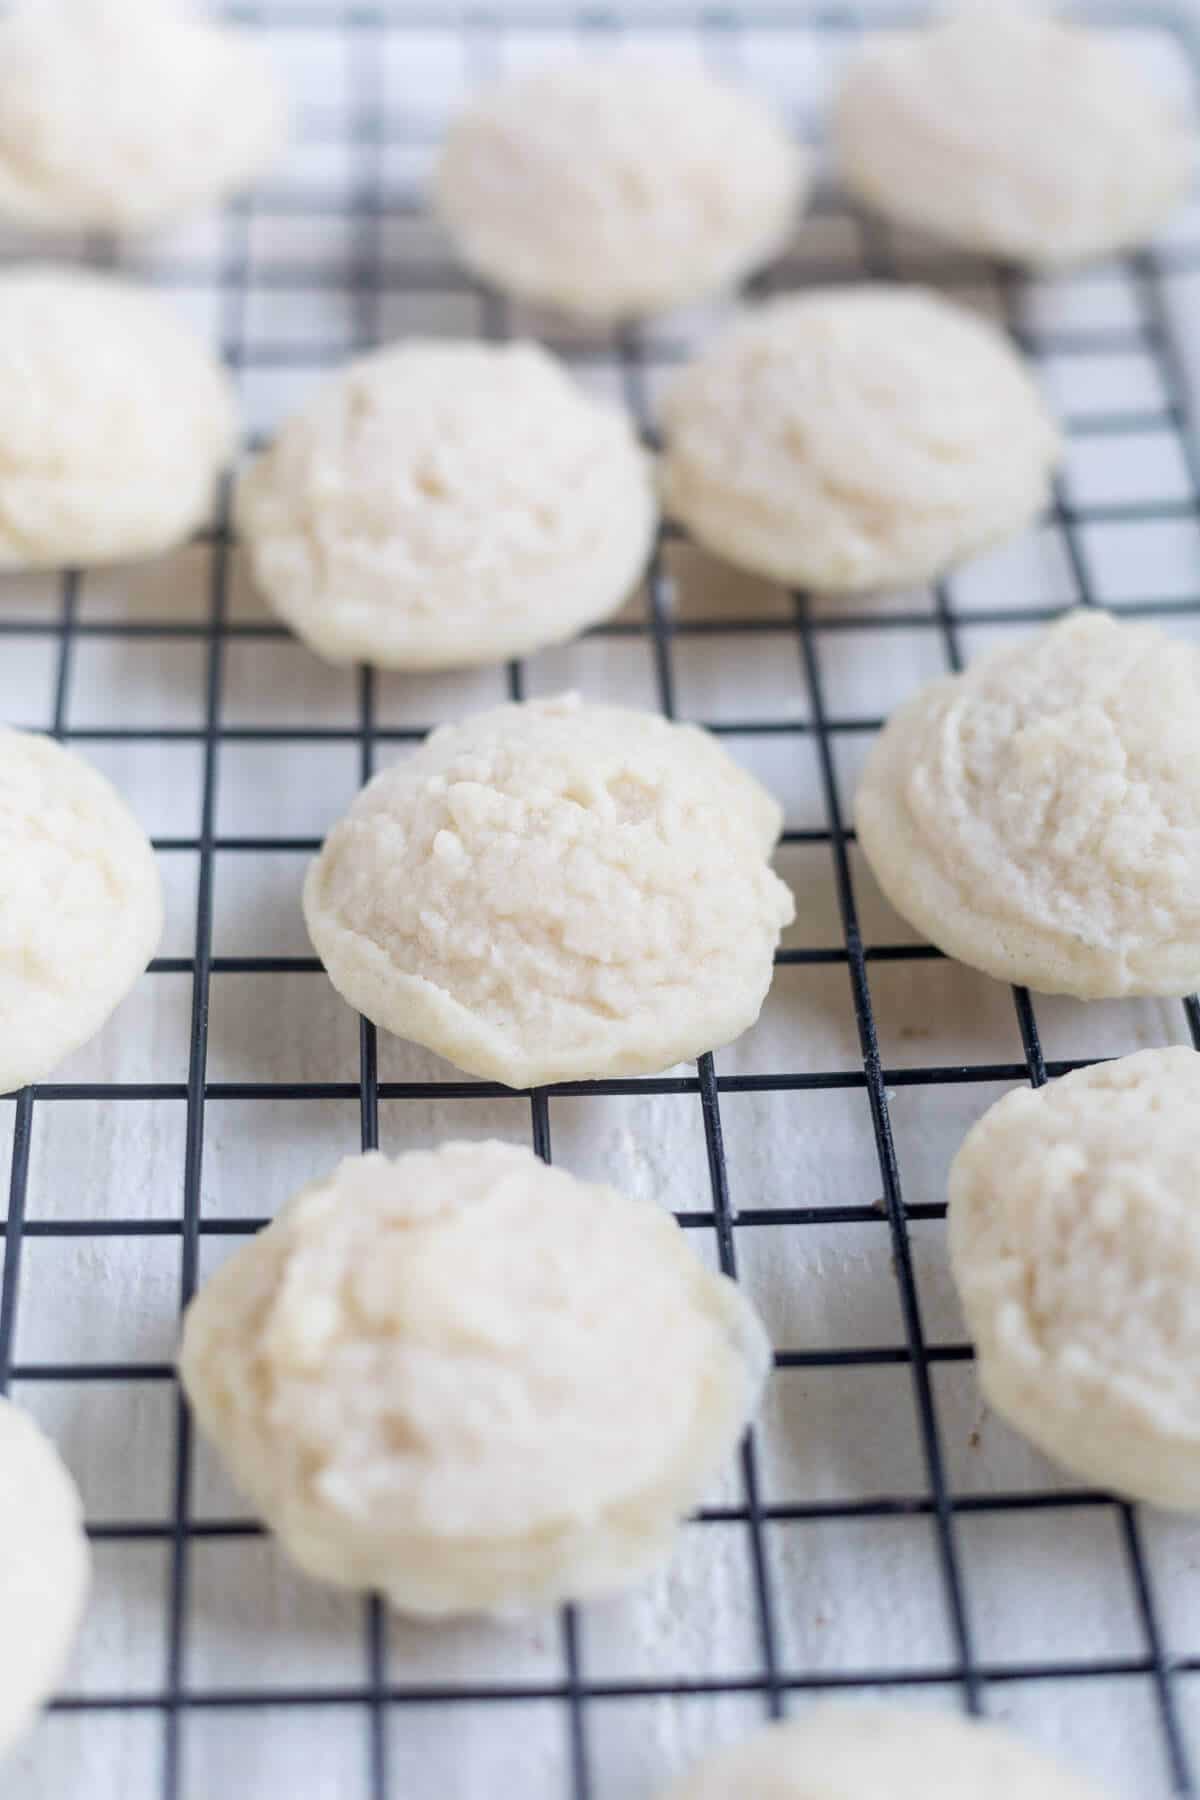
x=115, y=421
x=1039, y=816
x=472, y=1381
x=614, y=188
x=81, y=907
x=555, y=891
x=863, y=1752
x=856, y=437
x=439, y=504
x=44, y=1569
x=1075, y=1244
x=1011, y=134
x=121, y=115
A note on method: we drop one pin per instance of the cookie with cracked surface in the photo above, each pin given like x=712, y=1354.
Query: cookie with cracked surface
x=555, y=891
x=115, y=425
x=1038, y=817
x=861, y=1752
x=81, y=908
x=1075, y=1245
x=856, y=437
x=442, y=504
x=127, y=115
x=614, y=188
x=44, y=1569
x=472, y=1381
x=1013, y=134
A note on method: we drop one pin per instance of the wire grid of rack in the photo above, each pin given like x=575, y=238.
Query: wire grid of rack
x=147, y=1711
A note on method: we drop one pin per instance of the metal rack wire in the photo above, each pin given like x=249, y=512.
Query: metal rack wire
x=176, y=1699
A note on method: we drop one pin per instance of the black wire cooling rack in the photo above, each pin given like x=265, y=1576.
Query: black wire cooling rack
x=373, y=126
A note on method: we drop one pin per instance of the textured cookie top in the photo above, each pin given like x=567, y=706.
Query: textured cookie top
x=440, y=503
x=470, y=1379
x=1075, y=1241
x=114, y=425
x=555, y=890
x=126, y=114
x=44, y=1568
x=1011, y=133
x=614, y=188
x=80, y=904
x=1039, y=816
x=854, y=437
x=856, y=1752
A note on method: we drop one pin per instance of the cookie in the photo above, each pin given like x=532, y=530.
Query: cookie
x=863, y=1752
x=1039, y=816
x=115, y=424
x=440, y=504
x=123, y=115
x=615, y=188
x=1012, y=134
x=1075, y=1246
x=471, y=1381
x=856, y=437
x=555, y=891
x=44, y=1569
x=81, y=907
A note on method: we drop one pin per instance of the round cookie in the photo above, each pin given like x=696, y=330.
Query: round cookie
x=613, y=188
x=856, y=437
x=44, y=1569
x=115, y=424
x=555, y=891
x=1038, y=817
x=472, y=1381
x=864, y=1752
x=121, y=115
x=1012, y=134
x=1075, y=1246
x=81, y=907
x=441, y=504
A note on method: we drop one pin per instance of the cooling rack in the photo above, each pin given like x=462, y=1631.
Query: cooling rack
x=880, y=1533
